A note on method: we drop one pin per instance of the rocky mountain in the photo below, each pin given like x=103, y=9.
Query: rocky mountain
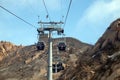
x=7, y=48
x=81, y=61
x=27, y=63
x=102, y=62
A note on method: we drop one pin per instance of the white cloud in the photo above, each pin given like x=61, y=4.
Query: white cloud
x=97, y=17
x=101, y=10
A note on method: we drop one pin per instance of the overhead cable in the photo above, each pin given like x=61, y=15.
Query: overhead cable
x=17, y=17
x=67, y=13
x=47, y=16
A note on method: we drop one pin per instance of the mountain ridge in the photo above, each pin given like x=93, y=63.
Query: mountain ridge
x=27, y=63
x=102, y=61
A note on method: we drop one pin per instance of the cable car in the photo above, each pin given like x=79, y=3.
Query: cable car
x=61, y=46
x=57, y=67
x=61, y=66
x=40, y=45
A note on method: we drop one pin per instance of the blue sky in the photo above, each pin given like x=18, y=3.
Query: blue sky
x=87, y=20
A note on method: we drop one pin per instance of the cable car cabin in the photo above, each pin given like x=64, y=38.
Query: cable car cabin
x=61, y=46
x=57, y=67
x=40, y=46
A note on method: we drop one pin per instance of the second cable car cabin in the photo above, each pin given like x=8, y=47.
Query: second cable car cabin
x=57, y=67
x=40, y=45
x=61, y=46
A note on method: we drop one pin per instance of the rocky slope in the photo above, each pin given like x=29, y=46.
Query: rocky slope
x=27, y=63
x=102, y=62
x=6, y=48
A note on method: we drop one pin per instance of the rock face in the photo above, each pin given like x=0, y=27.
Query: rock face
x=6, y=48
x=111, y=38
x=27, y=63
x=102, y=62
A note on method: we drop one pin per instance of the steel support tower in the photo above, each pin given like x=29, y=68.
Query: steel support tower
x=50, y=27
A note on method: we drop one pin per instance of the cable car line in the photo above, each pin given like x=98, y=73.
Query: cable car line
x=67, y=13
x=17, y=17
x=47, y=16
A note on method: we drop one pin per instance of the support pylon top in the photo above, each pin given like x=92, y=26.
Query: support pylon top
x=50, y=26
